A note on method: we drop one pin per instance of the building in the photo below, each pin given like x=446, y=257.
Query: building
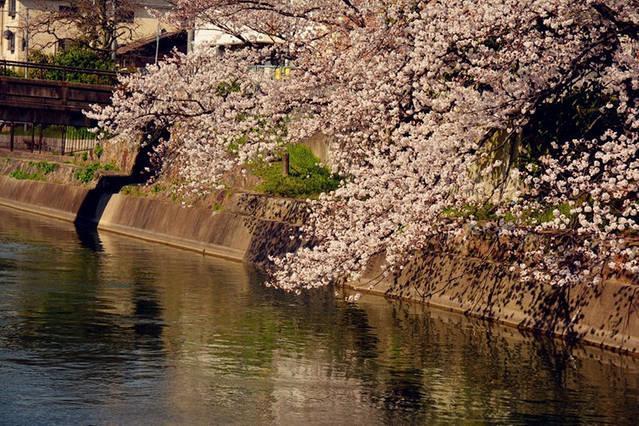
x=148, y=50
x=211, y=35
x=18, y=36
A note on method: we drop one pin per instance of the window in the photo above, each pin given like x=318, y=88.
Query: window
x=12, y=8
x=11, y=41
x=67, y=10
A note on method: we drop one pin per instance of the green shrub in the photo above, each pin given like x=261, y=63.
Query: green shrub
x=109, y=167
x=306, y=178
x=76, y=57
x=39, y=57
x=87, y=173
x=45, y=168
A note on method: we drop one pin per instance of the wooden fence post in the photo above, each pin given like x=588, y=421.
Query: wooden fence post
x=41, y=137
x=11, y=138
x=32, y=136
x=286, y=161
x=62, y=141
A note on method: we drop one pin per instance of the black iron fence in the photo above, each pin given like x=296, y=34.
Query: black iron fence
x=59, y=140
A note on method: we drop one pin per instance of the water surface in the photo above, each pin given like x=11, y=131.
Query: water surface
x=102, y=329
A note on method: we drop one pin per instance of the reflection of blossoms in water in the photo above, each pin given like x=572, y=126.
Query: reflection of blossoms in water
x=436, y=111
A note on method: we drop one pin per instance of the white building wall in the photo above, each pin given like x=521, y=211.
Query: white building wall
x=211, y=35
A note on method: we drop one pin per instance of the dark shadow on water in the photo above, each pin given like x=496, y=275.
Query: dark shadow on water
x=89, y=237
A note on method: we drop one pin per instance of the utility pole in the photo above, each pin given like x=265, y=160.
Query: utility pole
x=190, y=35
x=157, y=43
x=26, y=42
x=114, y=33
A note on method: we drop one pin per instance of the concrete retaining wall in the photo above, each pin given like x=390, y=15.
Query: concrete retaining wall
x=249, y=226
x=60, y=201
x=471, y=280
x=474, y=281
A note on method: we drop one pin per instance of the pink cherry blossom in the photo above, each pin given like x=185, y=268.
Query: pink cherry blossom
x=431, y=108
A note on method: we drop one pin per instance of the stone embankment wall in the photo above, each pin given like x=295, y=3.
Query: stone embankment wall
x=471, y=278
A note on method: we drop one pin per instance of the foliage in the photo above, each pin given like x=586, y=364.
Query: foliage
x=45, y=167
x=87, y=173
x=108, y=167
x=82, y=58
x=307, y=178
x=9, y=72
x=76, y=57
x=511, y=107
x=98, y=150
x=132, y=190
x=24, y=175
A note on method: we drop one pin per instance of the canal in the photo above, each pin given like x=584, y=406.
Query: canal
x=103, y=329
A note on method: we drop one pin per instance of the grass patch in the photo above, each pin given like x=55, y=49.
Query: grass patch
x=42, y=168
x=24, y=175
x=138, y=190
x=307, y=177
x=87, y=173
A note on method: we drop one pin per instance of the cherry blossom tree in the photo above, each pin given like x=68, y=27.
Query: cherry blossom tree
x=526, y=110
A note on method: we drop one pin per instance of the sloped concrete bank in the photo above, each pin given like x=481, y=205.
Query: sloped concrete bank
x=472, y=279
x=249, y=226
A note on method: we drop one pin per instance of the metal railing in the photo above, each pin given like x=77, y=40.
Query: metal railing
x=59, y=140
x=31, y=70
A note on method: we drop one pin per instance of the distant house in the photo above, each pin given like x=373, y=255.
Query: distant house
x=16, y=16
x=139, y=53
x=211, y=35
